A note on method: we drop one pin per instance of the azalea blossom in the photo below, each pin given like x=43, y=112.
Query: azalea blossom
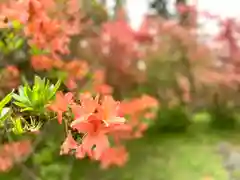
x=12, y=153
x=114, y=156
x=68, y=145
x=94, y=135
x=61, y=104
x=87, y=108
x=108, y=111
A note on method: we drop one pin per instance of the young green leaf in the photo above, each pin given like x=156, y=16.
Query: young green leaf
x=5, y=100
x=16, y=24
x=17, y=126
x=5, y=114
x=27, y=109
x=36, y=97
x=20, y=98
x=19, y=104
x=19, y=43
x=55, y=88
x=27, y=92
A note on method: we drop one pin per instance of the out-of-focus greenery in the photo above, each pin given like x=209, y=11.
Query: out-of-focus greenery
x=179, y=145
x=189, y=155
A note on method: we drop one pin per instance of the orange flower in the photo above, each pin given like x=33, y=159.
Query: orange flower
x=95, y=135
x=114, y=156
x=41, y=63
x=68, y=145
x=89, y=117
x=13, y=71
x=60, y=105
x=120, y=131
x=81, y=152
x=149, y=101
x=87, y=108
x=104, y=89
x=108, y=111
x=71, y=84
x=58, y=63
x=99, y=76
x=10, y=77
x=13, y=152
x=77, y=69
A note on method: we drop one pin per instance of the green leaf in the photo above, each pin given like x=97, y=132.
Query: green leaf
x=5, y=100
x=19, y=104
x=25, y=81
x=2, y=45
x=37, y=82
x=10, y=36
x=37, y=51
x=35, y=98
x=55, y=89
x=16, y=24
x=27, y=93
x=6, y=113
x=17, y=126
x=20, y=98
x=21, y=91
x=19, y=43
x=27, y=109
x=57, y=85
x=11, y=46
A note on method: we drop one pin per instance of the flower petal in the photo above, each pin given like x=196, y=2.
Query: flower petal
x=82, y=127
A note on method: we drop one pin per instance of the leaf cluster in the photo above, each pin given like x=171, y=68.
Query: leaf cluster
x=37, y=97
x=31, y=100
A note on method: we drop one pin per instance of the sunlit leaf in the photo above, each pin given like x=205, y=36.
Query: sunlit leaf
x=20, y=98
x=5, y=114
x=19, y=43
x=5, y=100
x=16, y=24
x=20, y=104
x=55, y=88
x=17, y=126
x=27, y=109
x=36, y=97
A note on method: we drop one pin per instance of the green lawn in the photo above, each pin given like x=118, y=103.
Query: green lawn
x=190, y=156
x=170, y=157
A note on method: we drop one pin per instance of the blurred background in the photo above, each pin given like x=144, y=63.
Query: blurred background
x=175, y=65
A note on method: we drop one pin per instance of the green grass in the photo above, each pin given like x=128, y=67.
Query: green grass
x=189, y=156
x=170, y=157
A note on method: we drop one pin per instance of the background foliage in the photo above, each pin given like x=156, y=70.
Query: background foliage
x=180, y=96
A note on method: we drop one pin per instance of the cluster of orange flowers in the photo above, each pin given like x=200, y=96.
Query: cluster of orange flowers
x=13, y=152
x=98, y=120
x=9, y=79
x=75, y=69
x=95, y=119
x=137, y=109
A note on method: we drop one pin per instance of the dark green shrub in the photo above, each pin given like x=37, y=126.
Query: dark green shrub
x=222, y=113
x=174, y=119
x=222, y=117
